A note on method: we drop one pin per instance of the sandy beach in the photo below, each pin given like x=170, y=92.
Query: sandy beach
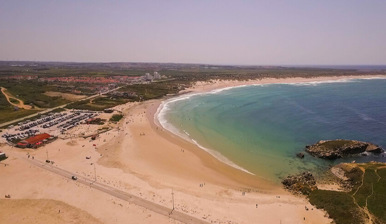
x=139, y=157
x=220, y=84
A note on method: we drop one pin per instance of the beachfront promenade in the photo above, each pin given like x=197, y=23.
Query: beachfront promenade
x=169, y=212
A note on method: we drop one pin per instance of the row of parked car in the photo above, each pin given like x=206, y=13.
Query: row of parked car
x=42, y=120
x=20, y=135
x=75, y=121
x=65, y=120
x=55, y=122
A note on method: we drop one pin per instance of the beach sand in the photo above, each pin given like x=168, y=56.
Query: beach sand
x=139, y=157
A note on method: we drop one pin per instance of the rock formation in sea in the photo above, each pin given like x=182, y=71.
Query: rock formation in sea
x=300, y=155
x=333, y=149
x=302, y=183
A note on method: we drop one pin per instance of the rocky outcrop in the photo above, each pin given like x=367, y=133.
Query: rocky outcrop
x=333, y=149
x=303, y=183
x=300, y=155
x=349, y=175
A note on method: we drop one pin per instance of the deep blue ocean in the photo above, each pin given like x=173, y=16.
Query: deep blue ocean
x=261, y=128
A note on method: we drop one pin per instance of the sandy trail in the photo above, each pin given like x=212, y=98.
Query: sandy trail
x=67, y=96
x=9, y=96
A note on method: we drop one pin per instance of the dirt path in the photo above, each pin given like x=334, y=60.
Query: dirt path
x=9, y=97
x=372, y=192
x=365, y=209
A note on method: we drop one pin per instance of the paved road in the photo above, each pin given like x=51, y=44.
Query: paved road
x=51, y=109
x=179, y=216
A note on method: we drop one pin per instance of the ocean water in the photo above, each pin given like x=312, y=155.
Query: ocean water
x=259, y=129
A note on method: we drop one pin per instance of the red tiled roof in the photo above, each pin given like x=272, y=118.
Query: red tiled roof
x=37, y=138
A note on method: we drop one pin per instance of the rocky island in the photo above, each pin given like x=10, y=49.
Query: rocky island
x=334, y=149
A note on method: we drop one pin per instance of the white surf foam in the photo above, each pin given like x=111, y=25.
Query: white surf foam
x=220, y=157
x=371, y=78
x=315, y=83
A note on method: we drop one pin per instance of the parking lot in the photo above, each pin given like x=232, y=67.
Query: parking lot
x=53, y=124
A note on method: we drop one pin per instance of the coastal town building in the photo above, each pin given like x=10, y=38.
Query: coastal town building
x=148, y=77
x=157, y=75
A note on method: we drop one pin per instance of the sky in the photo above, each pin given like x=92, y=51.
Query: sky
x=296, y=32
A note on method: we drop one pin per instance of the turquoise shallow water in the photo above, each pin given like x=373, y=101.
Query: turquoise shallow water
x=261, y=128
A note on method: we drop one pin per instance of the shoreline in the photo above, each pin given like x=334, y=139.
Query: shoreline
x=185, y=136
x=238, y=178
x=218, y=86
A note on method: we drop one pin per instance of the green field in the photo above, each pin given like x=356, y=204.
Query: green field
x=8, y=112
x=154, y=90
x=32, y=93
x=97, y=104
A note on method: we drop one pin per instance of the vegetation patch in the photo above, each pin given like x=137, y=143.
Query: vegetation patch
x=335, y=144
x=97, y=104
x=97, y=121
x=3, y=158
x=154, y=90
x=67, y=96
x=13, y=100
x=376, y=203
x=366, y=188
x=116, y=117
x=8, y=112
x=32, y=92
x=339, y=205
x=365, y=200
x=8, y=115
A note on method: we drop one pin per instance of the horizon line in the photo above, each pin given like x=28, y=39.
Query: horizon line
x=190, y=63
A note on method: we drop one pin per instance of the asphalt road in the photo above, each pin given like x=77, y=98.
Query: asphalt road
x=179, y=216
